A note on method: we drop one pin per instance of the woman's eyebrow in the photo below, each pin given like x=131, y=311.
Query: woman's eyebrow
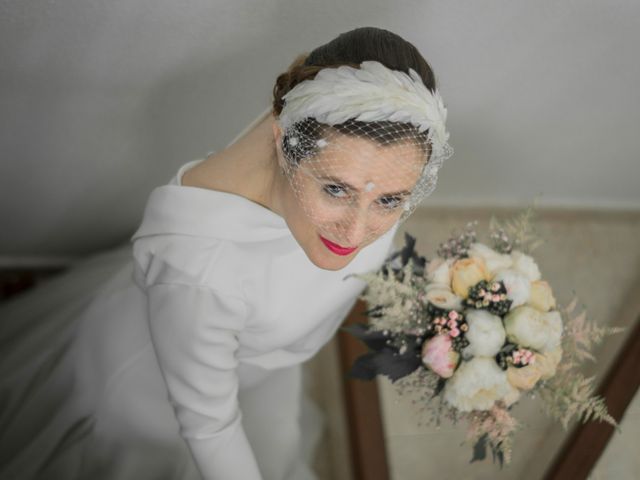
x=351, y=187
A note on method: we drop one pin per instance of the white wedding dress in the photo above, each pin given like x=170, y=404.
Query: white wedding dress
x=176, y=356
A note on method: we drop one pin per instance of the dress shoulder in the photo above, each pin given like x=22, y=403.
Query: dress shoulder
x=183, y=259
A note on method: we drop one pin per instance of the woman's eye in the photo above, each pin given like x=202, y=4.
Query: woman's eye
x=391, y=203
x=335, y=190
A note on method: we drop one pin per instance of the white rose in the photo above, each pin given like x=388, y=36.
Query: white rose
x=493, y=260
x=517, y=284
x=467, y=272
x=523, y=378
x=477, y=385
x=532, y=328
x=439, y=271
x=526, y=265
x=442, y=297
x=541, y=296
x=486, y=334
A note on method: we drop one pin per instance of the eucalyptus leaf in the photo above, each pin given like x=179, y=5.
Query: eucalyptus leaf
x=385, y=362
x=374, y=339
x=480, y=449
x=439, y=387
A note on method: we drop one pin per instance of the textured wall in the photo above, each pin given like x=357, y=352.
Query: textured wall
x=102, y=101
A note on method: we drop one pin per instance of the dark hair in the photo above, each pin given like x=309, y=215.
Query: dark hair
x=351, y=48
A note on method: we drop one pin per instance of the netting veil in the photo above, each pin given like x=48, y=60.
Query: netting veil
x=361, y=148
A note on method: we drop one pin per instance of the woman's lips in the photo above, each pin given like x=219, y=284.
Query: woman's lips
x=335, y=248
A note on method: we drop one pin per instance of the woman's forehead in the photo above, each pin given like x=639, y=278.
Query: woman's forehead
x=362, y=161
x=369, y=147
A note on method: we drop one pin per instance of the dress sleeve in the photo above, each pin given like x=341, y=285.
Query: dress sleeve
x=194, y=332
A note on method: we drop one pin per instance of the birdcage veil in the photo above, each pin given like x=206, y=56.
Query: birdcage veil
x=361, y=147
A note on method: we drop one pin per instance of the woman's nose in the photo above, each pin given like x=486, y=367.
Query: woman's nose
x=355, y=231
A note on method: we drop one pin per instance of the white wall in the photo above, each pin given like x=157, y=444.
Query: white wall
x=102, y=101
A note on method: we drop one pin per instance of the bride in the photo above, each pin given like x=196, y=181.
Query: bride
x=177, y=356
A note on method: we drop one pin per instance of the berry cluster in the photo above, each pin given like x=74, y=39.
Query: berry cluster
x=522, y=357
x=503, y=357
x=448, y=322
x=512, y=355
x=491, y=296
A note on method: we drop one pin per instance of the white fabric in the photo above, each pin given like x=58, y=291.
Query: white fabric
x=107, y=370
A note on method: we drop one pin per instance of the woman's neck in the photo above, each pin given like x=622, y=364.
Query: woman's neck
x=246, y=168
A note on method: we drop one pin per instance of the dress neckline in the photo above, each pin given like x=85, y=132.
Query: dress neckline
x=177, y=179
x=182, y=209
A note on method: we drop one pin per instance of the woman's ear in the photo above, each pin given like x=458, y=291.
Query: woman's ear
x=277, y=132
x=277, y=136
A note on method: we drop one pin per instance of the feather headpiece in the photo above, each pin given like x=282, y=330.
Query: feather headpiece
x=371, y=93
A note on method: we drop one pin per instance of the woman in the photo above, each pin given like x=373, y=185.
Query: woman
x=184, y=362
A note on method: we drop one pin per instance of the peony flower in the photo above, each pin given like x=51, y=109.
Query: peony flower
x=517, y=284
x=439, y=356
x=547, y=362
x=526, y=265
x=524, y=378
x=486, y=334
x=477, y=385
x=493, y=260
x=541, y=296
x=439, y=271
x=443, y=297
x=466, y=272
x=532, y=328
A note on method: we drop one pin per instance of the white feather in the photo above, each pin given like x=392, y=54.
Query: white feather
x=371, y=93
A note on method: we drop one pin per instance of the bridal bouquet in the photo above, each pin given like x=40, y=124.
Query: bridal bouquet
x=473, y=330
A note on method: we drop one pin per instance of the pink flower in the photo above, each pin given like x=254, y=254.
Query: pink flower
x=439, y=356
x=523, y=356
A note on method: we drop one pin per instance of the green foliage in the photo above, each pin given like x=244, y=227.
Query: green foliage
x=517, y=233
x=567, y=397
x=457, y=245
x=580, y=336
x=569, y=394
x=395, y=294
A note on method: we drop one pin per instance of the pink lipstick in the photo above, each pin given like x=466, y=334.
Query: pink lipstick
x=335, y=248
